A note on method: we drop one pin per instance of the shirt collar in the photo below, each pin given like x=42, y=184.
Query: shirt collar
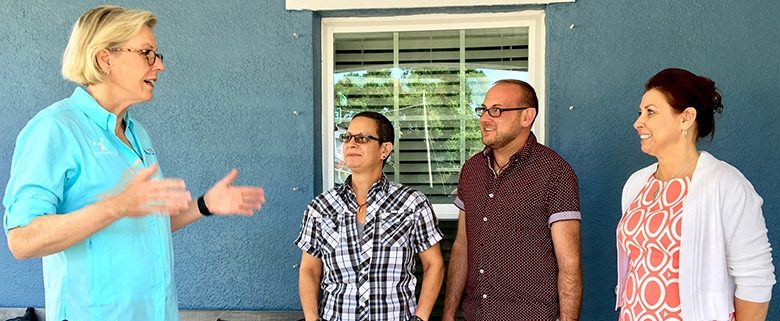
x=90, y=107
x=345, y=190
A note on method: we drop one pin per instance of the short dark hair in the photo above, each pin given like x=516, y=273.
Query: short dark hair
x=384, y=127
x=528, y=98
x=684, y=89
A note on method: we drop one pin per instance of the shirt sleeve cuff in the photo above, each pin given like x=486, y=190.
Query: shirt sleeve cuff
x=308, y=248
x=758, y=294
x=429, y=242
x=563, y=216
x=459, y=203
x=21, y=213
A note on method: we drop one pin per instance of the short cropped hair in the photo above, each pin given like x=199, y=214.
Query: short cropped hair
x=102, y=27
x=527, y=97
x=384, y=128
x=528, y=94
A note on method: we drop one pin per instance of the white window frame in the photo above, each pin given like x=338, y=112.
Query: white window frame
x=316, y=5
x=533, y=19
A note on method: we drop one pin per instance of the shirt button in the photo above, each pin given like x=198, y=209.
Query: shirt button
x=484, y=219
x=484, y=296
x=481, y=271
x=490, y=195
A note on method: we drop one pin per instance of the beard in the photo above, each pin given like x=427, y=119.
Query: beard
x=499, y=140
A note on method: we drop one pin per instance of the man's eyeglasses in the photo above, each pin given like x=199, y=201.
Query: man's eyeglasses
x=151, y=55
x=359, y=138
x=495, y=111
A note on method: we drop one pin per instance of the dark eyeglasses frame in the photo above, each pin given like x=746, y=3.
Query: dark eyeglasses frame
x=150, y=59
x=495, y=111
x=359, y=138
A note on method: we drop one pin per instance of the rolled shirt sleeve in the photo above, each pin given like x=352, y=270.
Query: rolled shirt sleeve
x=564, y=199
x=41, y=168
x=307, y=237
x=426, y=228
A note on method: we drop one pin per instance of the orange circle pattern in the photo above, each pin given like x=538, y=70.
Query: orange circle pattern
x=650, y=232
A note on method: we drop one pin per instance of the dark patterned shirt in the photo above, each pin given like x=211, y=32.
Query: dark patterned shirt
x=512, y=270
x=369, y=278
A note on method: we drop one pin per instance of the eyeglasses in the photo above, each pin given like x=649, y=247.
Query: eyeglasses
x=359, y=138
x=495, y=111
x=151, y=55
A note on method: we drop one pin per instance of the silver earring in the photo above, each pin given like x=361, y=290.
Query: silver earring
x=685, y=133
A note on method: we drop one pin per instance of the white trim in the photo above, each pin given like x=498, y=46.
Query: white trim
x=327, y=108
x=533, y=19
x=446, y=211
x=536, y=72
x=316, y=5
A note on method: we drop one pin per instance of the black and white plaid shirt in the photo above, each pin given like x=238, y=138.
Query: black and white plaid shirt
x=369, y=278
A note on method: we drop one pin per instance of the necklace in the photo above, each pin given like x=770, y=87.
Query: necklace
x=357, y=212
x=501, y=168
x=359, y=206
x=664, y=183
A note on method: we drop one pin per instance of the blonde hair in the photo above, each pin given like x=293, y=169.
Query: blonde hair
x=99, y=28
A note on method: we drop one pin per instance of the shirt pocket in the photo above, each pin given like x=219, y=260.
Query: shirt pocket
x=329, y=234
x=396, y=228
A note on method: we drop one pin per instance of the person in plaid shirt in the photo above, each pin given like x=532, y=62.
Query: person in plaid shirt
x=359, y=239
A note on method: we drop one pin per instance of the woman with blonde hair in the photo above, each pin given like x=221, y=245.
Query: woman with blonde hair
x=85, y=193
x=692, y=243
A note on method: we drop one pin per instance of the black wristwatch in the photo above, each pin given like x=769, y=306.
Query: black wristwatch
x=202, y=208
x=416, y=318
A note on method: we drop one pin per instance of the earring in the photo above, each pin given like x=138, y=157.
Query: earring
x=685, y=133
x=108, y=72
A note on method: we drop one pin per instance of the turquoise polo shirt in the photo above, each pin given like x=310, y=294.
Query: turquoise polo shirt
x=67, y=157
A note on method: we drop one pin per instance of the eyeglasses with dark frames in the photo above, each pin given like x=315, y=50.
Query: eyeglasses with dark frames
x=495, y=111
x=359, y=138
x=151, y=55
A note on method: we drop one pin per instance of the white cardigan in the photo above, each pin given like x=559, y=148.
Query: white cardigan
x=724, y=251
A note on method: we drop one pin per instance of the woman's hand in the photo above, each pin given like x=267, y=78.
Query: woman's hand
x=226, y=199
x=144, y=195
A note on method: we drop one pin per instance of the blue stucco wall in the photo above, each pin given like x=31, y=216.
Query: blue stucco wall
x=235, y=73
x=600, y=68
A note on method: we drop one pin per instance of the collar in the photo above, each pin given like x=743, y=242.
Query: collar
x=346, y=192
x=90, y=107
x=520, y=155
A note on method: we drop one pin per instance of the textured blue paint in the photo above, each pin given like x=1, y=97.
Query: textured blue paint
x=235, y=74
x=600, y=68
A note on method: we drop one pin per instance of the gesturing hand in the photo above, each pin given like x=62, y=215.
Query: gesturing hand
x=225, y=199
x=144, y=195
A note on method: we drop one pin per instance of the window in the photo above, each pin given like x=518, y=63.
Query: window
x=426, y=74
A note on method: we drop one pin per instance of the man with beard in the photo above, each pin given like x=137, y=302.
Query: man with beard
x=516, y=255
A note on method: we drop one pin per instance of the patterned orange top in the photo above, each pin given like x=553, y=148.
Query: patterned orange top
x=650, y=232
